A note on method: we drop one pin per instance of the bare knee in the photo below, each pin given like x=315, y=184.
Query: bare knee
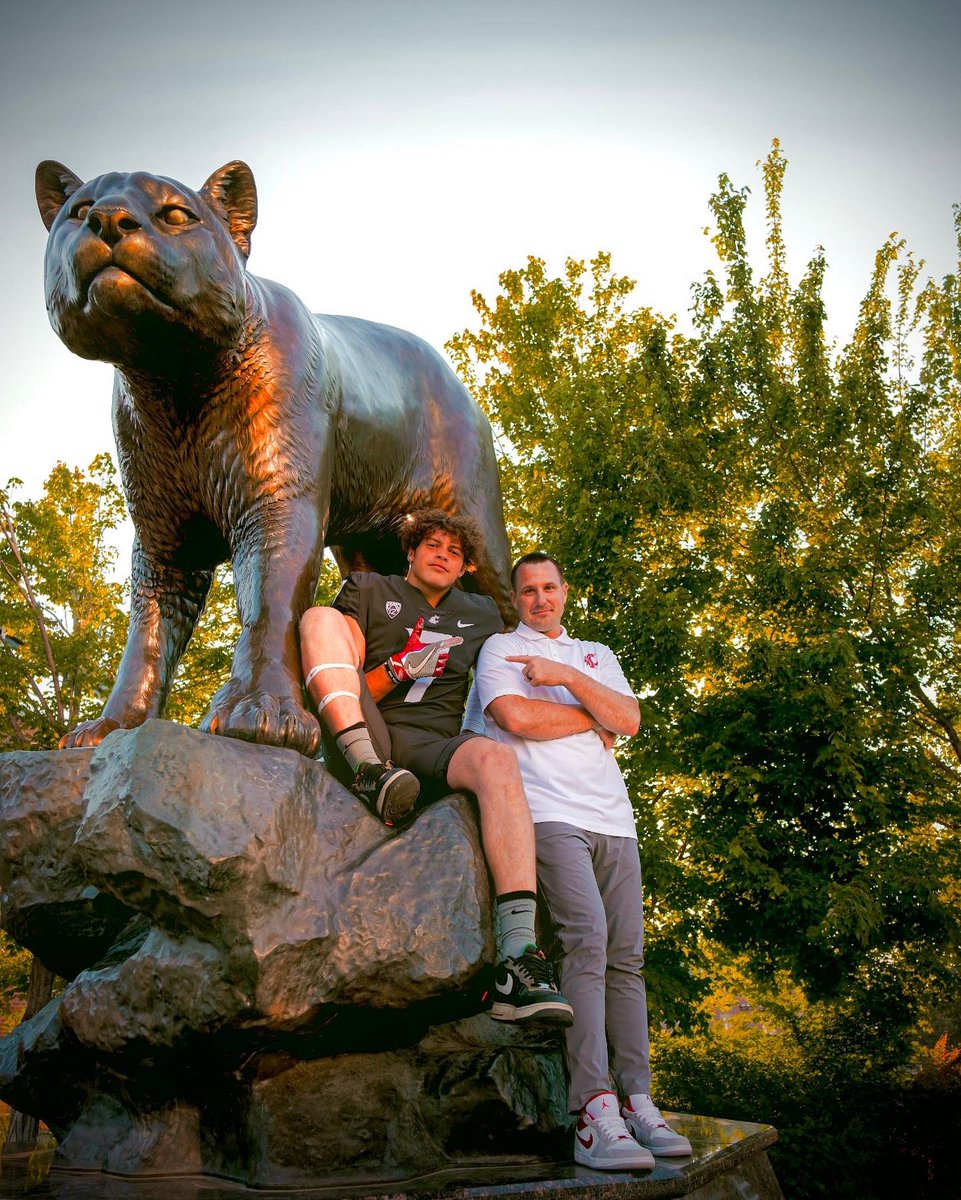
x=482, y=762
x=323, y=628
x=319, y=621
x=495, y=756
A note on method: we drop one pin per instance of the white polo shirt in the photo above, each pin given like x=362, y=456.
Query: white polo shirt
x=574, y=778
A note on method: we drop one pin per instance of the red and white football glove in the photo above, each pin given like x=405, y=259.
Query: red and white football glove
x=419, y=660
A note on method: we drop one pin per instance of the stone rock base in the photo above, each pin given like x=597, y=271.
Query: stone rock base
x=469, y=1092
x=729, y=1162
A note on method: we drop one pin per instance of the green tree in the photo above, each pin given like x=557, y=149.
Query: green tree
x=14, y=979
x=61, y=613
x=63, y=616
x=766, y=532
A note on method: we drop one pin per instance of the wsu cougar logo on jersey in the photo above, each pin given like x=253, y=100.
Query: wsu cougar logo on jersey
x=392, y=608
x=590, y=660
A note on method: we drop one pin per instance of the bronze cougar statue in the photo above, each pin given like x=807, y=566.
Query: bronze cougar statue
x=247, y=429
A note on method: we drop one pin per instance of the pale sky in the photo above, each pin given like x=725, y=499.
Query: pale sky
x=406, y=153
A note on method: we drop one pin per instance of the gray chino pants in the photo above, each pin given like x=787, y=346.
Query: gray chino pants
x=591, y=884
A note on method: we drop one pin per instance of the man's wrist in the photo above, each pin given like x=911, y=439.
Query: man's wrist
x=576, y=676
x=392, y=673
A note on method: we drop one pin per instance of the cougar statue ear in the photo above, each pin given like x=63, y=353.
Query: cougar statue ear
x=54, y=184
x=232, y=190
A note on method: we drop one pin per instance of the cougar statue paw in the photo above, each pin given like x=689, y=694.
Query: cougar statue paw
x=261, y=717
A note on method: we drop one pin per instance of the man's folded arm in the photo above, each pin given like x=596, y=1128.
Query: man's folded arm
x=539, y=720
x=613, y=710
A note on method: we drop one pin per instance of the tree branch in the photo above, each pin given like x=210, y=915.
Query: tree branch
x=937, y=715
x=26, y=588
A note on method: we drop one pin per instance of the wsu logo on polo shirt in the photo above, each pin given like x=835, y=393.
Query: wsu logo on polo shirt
x=590, y=660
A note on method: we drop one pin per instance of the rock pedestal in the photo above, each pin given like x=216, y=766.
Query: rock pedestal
x=264, y=983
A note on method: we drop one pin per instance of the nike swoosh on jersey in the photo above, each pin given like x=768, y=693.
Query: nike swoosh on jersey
x=465, y=624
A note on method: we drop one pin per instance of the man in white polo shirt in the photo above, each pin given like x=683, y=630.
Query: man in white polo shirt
x=561, y=703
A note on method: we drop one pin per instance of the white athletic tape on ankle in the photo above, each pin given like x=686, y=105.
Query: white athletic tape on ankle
x=333, y=696
x=325, y=666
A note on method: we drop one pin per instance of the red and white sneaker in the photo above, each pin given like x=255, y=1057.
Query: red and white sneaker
x=602, y=1140
x=645, y=1122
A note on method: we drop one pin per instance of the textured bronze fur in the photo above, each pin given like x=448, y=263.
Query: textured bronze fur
x=247, y=429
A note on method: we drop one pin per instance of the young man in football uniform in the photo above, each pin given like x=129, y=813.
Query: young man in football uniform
x=560, y=703
x=388, y=668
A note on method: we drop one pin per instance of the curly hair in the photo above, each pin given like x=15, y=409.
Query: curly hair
x=424, y=521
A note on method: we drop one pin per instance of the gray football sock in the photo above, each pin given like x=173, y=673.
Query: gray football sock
x=514, y=925
x=356, y=747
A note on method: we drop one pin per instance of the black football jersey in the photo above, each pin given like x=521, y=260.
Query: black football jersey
x=386, y=607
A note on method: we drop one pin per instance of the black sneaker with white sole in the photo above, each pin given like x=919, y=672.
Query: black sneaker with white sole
x=525, y=989
x=389, y=792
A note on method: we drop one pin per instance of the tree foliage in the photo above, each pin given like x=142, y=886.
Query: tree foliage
x=854, y=1123
x=14, y=980
x=765, y=529
x=63, y=612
